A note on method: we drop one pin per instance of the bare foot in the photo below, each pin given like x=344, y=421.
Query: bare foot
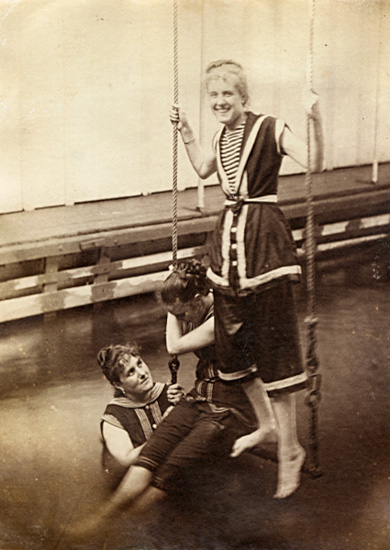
x=289, y=473
x=262, y=435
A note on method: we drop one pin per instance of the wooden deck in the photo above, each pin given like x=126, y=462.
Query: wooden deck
x=65, y=257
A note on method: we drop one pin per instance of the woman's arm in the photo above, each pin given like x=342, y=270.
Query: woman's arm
x=204, y=164
x=296, y=148
x=178, y=343
x=120, y=445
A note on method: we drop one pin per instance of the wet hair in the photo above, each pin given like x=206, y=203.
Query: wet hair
x=229, y=71
x=186, y=281
x=111, y=360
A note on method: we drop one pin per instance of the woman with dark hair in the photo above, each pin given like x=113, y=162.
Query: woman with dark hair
x=204, y=423
x=137, y=408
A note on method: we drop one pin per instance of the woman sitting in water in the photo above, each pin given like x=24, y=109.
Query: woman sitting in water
x=207, y=420
x=138, y=407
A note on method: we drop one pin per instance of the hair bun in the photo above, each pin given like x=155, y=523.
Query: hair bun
x=191, y=269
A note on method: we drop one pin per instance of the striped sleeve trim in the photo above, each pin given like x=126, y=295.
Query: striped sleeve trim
x=110, y=419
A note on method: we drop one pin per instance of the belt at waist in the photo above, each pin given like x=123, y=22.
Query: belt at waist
x=265, y=198
x=236, y=205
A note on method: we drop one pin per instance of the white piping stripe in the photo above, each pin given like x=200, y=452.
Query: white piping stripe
x=244, y=185
x=156, y=412
x=248, y=148
x=264, y=198
x=241, y=257
x=275, y=273
x=226, y=243
x=229, y=376
x=144, y=421
x=270, y=386
x=260, y=279
x=286, y=382
x=244, y=157
x=110, y=419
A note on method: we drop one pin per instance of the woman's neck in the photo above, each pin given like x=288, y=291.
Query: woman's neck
x=234, y=125
x=140, y=399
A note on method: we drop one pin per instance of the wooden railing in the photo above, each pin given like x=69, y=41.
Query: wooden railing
x=56, y=274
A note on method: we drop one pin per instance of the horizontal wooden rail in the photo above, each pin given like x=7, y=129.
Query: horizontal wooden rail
x=51, y=301
x=113, y=269
x=23, y=252
x=36, y=304
x=79, y=270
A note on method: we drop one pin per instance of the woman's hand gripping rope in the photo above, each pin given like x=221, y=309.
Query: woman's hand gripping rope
x=310, y=102
x=175, y=393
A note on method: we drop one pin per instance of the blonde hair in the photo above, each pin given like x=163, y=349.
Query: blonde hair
x=230, y=71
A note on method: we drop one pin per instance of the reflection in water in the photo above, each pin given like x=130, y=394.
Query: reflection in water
x=53, y=394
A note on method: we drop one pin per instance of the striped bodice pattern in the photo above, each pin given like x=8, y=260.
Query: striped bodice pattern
x=231, y=142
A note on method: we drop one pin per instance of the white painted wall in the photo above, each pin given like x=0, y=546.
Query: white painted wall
x=86, y=86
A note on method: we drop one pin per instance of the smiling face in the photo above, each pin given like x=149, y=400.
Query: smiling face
x=135, y=378
x=226, y=102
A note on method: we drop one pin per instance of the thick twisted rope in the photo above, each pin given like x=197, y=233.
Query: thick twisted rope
x=310, y=236
x=313, y=396
x=174, y=363
x=174, y=134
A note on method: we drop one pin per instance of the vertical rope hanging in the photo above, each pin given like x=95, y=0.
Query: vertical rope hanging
x=174, y=133
x=174, y=363
x=374, y=176
x=313, y=396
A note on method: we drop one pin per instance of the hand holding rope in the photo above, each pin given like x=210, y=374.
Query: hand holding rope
x=174, y=363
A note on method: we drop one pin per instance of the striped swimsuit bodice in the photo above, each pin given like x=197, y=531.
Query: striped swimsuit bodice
x=231, y=142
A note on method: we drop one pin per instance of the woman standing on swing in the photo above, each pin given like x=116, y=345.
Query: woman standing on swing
x=253, y=261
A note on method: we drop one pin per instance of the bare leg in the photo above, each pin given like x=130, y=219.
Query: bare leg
x=291, y=454
x=267, y=431
x=134, y=484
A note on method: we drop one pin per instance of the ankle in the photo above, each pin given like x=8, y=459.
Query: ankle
x=291, y=453
x=268, y=427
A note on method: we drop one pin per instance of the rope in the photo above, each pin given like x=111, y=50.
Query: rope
x=313, y=396
x=174, y=365
x=174, y=134
x=174, y=362
x=374, y=177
